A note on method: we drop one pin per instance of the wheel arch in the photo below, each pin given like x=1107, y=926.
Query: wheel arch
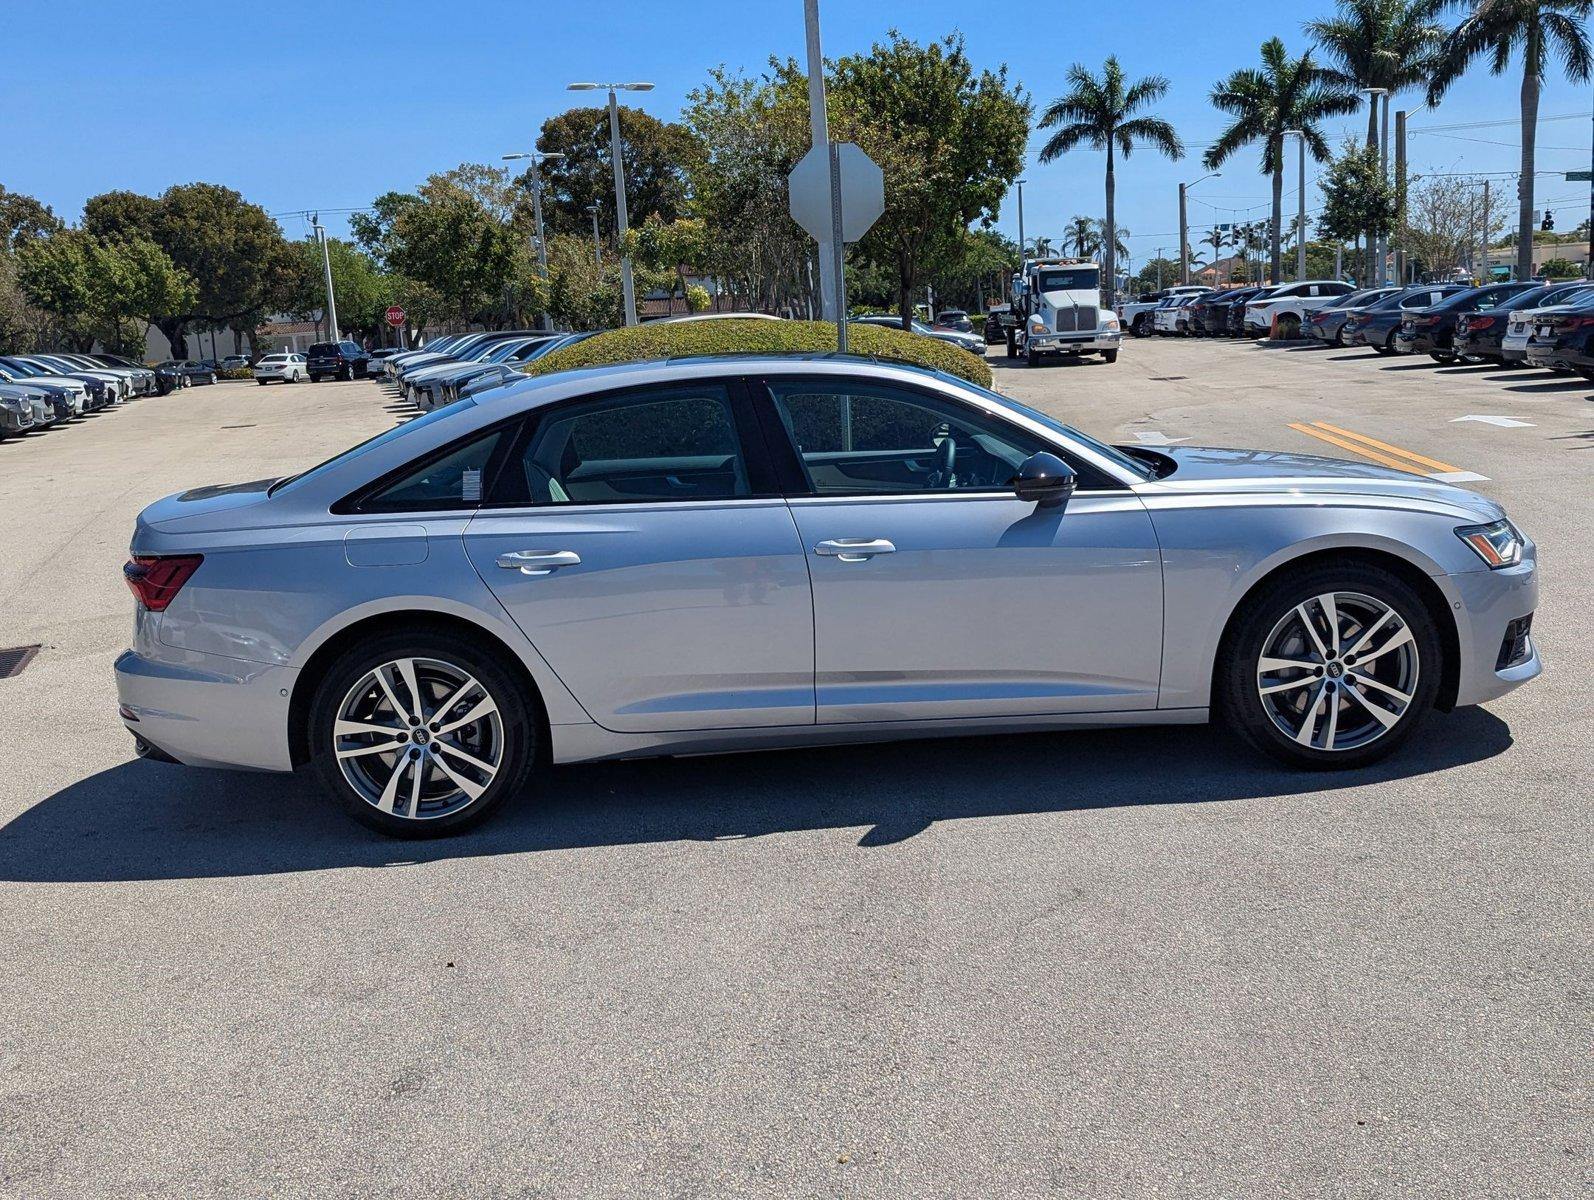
x=406, y=621
x=1403, y=568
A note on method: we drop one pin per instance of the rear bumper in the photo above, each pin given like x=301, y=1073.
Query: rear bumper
x=1544, y=354
x=1478, y=347
x=208, y=711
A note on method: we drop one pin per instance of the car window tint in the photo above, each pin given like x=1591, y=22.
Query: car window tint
x=660, y=445
x=864, y=439
x=454, y=480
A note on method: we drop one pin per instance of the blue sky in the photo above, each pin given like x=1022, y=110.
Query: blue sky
x=326, y=105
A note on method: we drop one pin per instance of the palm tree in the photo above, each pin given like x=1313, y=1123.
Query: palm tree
x=1099, y=113
x=1080, y=233
x=1120, y=249
x=1389, y=44
x=1284, y=94
x=1218, y=240
x=1497, y=28
x=1041, y=247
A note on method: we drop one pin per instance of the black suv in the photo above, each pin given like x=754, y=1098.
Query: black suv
x=336, y=360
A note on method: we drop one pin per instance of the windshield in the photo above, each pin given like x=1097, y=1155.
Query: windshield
x=369, y=444
x=1070, y=279
x=1112, y=454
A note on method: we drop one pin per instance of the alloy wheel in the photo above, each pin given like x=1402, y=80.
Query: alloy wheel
x=418, y=738
x=1338, y=671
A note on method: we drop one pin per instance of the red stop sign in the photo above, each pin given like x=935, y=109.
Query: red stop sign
x=395, y=315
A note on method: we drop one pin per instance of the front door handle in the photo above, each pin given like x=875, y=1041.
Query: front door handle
x=538, y=562
x=854, y=549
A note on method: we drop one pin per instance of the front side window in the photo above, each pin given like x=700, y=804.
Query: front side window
x=676, y=443
x=861, y=438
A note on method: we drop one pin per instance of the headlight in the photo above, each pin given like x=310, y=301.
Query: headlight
x=1111, y=323
x=1037, y=325
x=1498, y=544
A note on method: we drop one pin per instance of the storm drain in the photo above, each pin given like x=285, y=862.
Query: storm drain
x=15, y=660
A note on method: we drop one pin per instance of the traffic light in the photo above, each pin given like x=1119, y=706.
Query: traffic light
x=1548, y=224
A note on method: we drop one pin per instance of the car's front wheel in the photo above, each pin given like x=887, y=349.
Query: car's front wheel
x=1329, y=667
x=421, y=734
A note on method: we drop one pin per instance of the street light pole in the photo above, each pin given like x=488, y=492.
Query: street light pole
x=627, y=284
x=537, y=158
x=1184, y=228
x=326, y=263
x=1300, y=218
x=597, y=241
x=1375, y=267
x=1022, y=253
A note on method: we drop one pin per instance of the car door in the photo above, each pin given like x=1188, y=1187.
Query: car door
x=937, y=592
x=639, y=541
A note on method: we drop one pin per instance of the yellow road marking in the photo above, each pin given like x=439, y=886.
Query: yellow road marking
x=1355, y=449
x=1386, y=447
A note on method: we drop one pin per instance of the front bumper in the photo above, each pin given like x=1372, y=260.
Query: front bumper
x=205, y=710
x=16, y=422
x=1073, y=343
x=1485, y=603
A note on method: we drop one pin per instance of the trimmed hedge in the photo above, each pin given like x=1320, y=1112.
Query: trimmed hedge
x=692, y=339
x=236, y=373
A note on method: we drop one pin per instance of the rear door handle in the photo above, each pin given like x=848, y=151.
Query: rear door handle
x=538, y=562
x=854, y=549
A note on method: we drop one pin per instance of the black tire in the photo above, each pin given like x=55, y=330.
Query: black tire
x=1031, y=359
x=1444, y=360
x=261, y=382
x=1235, y=691
x=520, y=727
x=315, y=378
x=1109, y=356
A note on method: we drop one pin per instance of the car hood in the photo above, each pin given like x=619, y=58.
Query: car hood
x=1206, y=470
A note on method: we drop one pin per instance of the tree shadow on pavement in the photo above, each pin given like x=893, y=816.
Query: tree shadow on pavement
x=146, y=820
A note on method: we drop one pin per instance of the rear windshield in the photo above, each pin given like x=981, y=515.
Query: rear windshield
x=324, y=348
x=380, y=439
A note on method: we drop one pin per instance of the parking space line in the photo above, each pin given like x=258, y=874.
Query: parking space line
x=1355, y=449
x=1387, y=448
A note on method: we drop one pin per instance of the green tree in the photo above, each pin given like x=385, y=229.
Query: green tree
x=451, y=242
x=1079, y=236
x=363, y=292
x=98, y=291
x=950, y=140
x=669, y=248
x=23, y=218
x=1358, y=201
x=373, y=229
x=1285, y=93
x=656, y=157
x=1561, y=268
x=1391, y=44
x=1100, y=113
x=1157, y=273
x=1537, y=30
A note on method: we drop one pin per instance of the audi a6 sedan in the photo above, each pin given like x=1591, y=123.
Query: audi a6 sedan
x=730, y=553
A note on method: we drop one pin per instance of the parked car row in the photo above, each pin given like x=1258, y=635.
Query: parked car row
x=41, y=390
x=949, y=333
x=1544, y=325
x=458, y=365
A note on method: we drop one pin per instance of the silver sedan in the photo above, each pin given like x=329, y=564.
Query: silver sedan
x=725, y=554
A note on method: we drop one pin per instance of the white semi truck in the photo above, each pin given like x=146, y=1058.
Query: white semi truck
x=1060, y=311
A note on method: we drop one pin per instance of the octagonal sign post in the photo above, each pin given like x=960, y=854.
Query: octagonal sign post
x=836, y=192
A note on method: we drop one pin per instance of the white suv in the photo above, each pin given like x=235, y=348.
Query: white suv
x=1289, y=304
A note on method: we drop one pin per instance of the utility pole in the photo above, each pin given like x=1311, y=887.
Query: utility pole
x=1160, y=250
x=1400, y=191
x=1184, y=242
x=1483, y=239
x=1300, y=212
x=1022, y=253
x=326, y=263
x=627, y=283
x=537, y=157
x=597, y=241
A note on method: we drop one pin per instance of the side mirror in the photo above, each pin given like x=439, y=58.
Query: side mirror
x=1044, y=479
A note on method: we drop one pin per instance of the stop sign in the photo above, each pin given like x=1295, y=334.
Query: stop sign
x=395, y=315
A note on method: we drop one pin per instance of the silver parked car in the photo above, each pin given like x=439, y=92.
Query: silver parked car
x=723, y=554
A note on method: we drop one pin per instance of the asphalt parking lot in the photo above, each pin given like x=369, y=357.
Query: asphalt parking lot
x=1116, y=963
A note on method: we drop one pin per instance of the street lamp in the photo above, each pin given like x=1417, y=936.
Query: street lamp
x=537, y=158
x=597, y=242
x=1300, y=217
x=627, y=287
x=326, y=263
x=1184, y=227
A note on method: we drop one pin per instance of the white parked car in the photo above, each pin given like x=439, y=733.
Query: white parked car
x=285, y=367
x=1167, y=315
x=1290, y=304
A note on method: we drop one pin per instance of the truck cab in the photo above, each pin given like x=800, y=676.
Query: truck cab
x=1062, y=312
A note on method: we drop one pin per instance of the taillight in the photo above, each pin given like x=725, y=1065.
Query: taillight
x=1478, y=322
x=1426, y=320
x=1576, y=323
x=156, y=581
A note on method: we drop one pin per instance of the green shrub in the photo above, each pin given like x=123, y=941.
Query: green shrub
x=692, y=339
x=235, y=373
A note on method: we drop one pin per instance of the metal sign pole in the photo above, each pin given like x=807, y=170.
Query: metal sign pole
x=838, y=249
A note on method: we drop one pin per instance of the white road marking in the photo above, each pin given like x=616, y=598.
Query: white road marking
x=1502, y=422
x=1460, y=477
x=1157, y=439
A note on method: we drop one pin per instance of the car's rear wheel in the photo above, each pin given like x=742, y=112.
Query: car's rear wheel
x=421, y=734
x=1329, y=667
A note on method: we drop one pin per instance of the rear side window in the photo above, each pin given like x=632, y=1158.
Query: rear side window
x=456, y=479
x=666, y=444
